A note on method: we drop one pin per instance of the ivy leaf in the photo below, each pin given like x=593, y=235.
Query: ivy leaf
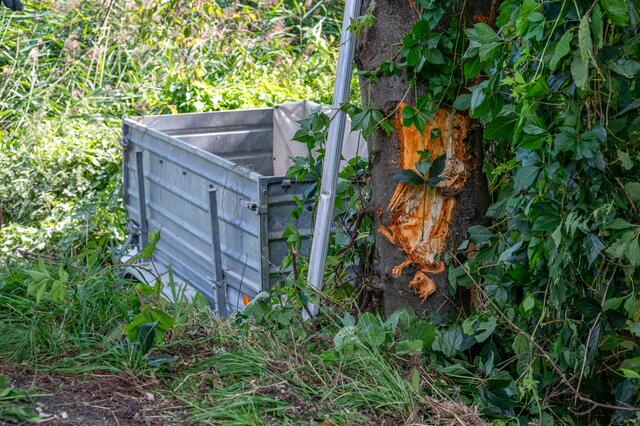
x=500, y=127
x=625, y=160
x=149, y=249
x=595, y=247
x=479, y=234
x=580, y=71
x=585, y=45
x=535, y=126
x=433, y=181
x=528, y=303
x=462, y=102
x=633, y=191
x=509, y=255
x=58, y=291
x=410, y=177
x=434, y=56
x=633, y=252
x=619, y=223
x=632, y=105
x=626, y=67
x=597, y=26
x=423, y=167
x=617, y=11
x=451, y=341
x=566, y=139
x=437, y=167
x=483, y=39
x=367, y=121
x=525, y=177
x=562, y=49
x=472, y=68
x=37, y=289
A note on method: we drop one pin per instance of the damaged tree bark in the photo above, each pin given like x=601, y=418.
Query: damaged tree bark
x=416, y=225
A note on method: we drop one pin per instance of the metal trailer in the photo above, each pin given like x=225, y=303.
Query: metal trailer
x=206, y=182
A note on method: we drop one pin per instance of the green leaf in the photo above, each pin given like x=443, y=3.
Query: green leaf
x=633, y=191
x=58, y=291
x=462, y=102
x=37, y=289
x=477, y=108
x=626, y=67
x=434, y=56
x=371, y=331
x=631, y=306
x=630, y=374
x=451, y=341
x=509, y=255
x=566, y=139
x=617, y=11
x=612, y=303
x=625, y=160
x=472, y=68
x=484, y=329
x=535, y=126
x=409, y=176
x=421, y=330
x=39, y=275
x=147, y=251
x=619, y=223
x=595, y=247
x=528, y=303
x=437, y=166
x=423, y=167
x=633, y=252
x=479, y=234
x=580, y=71
x=525, y=177
x=597, y=26
x=585, y=45
x=501, y=127
x=409, y=347
x=164, y=320
x=562, y=49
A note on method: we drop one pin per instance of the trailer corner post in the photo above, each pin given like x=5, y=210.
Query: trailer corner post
x=326, y=203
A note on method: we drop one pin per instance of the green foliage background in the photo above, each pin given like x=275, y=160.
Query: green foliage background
x=555, y=331
x=71, y=69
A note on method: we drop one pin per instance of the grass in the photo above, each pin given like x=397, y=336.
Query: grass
x=70, y=70
x=221, y=371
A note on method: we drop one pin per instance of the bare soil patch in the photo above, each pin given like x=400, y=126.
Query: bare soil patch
x=98, y=399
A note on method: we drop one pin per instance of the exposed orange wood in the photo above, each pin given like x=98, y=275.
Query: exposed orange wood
x=420, y=216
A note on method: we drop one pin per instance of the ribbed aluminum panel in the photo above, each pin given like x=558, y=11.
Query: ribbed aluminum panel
x=185, y=157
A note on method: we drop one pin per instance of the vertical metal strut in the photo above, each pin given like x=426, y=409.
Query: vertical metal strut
x=219, y=282
x=324, y=215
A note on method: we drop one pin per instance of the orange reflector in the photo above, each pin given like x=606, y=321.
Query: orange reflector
x=246, y=299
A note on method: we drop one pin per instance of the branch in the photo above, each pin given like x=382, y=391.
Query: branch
x=548, y=357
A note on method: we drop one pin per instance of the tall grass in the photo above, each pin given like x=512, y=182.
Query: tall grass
x=70, y=69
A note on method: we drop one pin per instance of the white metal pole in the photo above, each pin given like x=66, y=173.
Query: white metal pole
x=330, y=169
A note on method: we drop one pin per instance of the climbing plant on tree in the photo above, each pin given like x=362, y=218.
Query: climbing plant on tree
x=542, y=98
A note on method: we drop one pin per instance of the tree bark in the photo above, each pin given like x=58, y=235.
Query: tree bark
x=415, y=226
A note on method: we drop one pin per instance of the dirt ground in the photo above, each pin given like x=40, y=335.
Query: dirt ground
x=99, y=399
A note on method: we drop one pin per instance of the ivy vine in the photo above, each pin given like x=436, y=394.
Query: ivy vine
x=556, y=330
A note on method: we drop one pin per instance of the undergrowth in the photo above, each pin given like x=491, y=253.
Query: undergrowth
x=70, y=70
x=262, y=367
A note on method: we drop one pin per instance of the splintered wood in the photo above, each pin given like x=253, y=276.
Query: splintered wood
x=420, y=216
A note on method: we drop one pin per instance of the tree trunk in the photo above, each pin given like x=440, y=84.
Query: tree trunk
x=416, y=227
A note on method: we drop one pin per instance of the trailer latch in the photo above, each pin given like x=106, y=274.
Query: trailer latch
x=253, y=206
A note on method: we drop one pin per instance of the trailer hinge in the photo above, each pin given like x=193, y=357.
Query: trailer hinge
x=133, y=229
x=253, y=206
x=124, y=143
